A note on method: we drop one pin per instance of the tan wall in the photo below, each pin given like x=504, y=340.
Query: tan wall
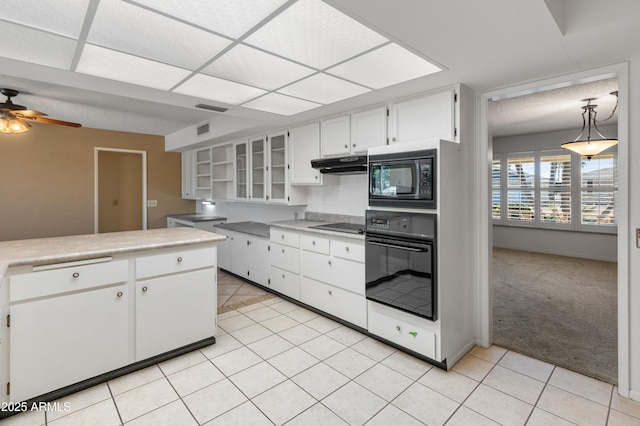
x=46, y=180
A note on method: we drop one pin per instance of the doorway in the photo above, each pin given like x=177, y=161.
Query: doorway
x=119, y=190
x=484, y=202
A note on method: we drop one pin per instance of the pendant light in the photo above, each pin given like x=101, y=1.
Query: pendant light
x=589, y=146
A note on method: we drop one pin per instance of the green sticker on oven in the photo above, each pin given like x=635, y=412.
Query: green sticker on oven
x=413, y=333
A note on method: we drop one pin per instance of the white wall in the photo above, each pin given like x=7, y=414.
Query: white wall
x=345, y=194
x=588, y=245
x=633, y=298
x=256, y=212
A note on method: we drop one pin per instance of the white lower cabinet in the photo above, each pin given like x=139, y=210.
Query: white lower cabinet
x=406, y=330
x=57, y=338
x=336, y=301
x=224, y=250
x=250, y=257
x=174, y=311
x=285, y=282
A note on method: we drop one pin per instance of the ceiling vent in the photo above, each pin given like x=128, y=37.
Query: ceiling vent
x=211, y=108
x=201, y=130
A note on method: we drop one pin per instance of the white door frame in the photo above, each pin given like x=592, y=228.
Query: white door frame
x=484, y=243
x=96, y=151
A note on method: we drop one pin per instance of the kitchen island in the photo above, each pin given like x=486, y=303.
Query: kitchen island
x=84, y=309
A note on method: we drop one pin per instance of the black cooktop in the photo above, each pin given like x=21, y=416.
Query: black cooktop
x=350, y=228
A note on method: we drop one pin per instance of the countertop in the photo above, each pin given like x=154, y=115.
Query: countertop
x=42, y=251
x=196, y=217
x=252, y=228
x=304, y=225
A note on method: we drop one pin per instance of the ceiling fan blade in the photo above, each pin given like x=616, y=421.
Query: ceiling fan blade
x=23, y=121
x=53, y=121
x=30, y=113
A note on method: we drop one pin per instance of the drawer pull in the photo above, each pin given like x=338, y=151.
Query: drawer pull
x=119, y=294
x=282, y=236
x=313, y=242
x=398, y=327
x=282, y=250
x=76, y=275
x=283, y=276
x=179, y=259
x=347, y=248
x=329, y=263
x=144, y=288
x=330, y=292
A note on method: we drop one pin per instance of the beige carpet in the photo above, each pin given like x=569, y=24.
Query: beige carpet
x=557, y=309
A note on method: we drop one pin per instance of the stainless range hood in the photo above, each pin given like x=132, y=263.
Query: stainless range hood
x=348, y=165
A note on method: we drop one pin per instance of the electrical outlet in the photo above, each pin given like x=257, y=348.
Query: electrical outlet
x=152, y=203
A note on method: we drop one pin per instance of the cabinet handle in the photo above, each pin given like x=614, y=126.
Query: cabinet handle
x=75, y=275
x=313, y=242
x=179, y=259
x=315, y=177
x=119, y=294
x=393, y=139
x=398, y=327
x=329, y=263
x=347, y=248
x=346, y=146
x=282, y=236
x=283, y=276
x=330, y=292
x=282, y=250
x=144, y=288
x=354, y=145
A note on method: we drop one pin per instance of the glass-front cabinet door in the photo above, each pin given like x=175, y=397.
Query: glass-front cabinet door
x=241, y=156
x=258, y=174
x=277, y=144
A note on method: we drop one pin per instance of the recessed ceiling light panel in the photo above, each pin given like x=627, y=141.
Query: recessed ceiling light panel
x=280, y=104
x=119, y=66
x=138, y=31
x=207, y=87
x=257, y=68
x=324, y=89
x=315, y=34
x=232, y=18
x=29, y=45
x=64, y=17
x=380, y=68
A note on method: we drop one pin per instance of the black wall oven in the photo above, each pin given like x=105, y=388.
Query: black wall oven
x=400, y=253
x=403, y=179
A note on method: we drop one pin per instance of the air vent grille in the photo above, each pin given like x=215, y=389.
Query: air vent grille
x=201, y=130
x=211, y=108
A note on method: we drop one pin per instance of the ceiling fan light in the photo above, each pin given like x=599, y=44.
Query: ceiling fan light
x=589, y=148
x=12, y=125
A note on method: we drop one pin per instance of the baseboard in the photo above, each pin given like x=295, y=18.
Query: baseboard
x=555, y=252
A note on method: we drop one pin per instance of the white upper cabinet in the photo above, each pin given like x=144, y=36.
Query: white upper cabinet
x=335, y=136
x=355, y=133
x=222, y=171
x=258, y=168
x=429, y=117
x=278, y=189
x=305, y=146
x=241, y=156
x=368, y=129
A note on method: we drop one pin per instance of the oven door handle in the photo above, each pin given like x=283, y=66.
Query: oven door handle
x=395, y=246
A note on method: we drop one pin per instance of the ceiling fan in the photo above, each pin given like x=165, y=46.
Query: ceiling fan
x=13, y=118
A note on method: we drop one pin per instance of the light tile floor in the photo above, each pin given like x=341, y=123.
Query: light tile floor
x=277, y=363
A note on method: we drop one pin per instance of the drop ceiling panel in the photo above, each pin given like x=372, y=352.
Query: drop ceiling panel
x=280, y=104
x=138, y=31
x=232, y=18
x=252, y=66
x=315, y=34
x=213, y=88
x=379, y=68
x=36, y=46
x=106, y=63
x=64, y=17
x=323, y=89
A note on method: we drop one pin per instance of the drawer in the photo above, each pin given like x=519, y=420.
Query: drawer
x=338, y=272
x=284, y=282
x=404, y=329
x=284, y=237
x=285, y=257
x=335, y=301
x=175, y=262
x=67, y=279
x=314, y=243
x=352, y=250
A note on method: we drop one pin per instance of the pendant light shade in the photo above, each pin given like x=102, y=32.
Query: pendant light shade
x=12, y=124
x=589, y=146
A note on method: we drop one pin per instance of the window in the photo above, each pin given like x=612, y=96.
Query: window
x=521, y=176
x=555, y=189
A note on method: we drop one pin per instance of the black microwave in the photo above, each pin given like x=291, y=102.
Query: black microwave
x=403, y=179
